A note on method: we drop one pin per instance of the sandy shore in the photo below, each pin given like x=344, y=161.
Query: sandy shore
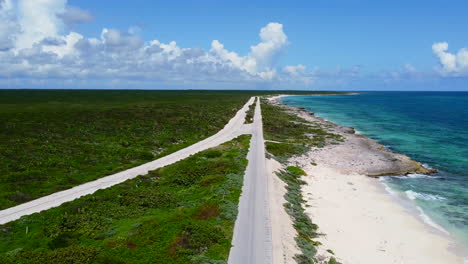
x=359, y=220
x=283, y=232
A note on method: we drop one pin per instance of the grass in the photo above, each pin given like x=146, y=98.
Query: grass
x=291, y=135
x=182, y=213
x=54, y=140
x=250, y=113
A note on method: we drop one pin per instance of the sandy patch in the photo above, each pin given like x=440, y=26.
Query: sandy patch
x=361, y=223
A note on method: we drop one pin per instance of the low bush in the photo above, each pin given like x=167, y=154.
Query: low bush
x=250, y=113
x=289, y=134
x=306, y=230
x=54, y=140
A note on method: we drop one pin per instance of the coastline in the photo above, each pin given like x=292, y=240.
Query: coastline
x=360, y=220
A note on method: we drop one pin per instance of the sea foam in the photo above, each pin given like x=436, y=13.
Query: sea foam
x=386, y=187
x=416, y=176
x=429, y=221
x=412, y=195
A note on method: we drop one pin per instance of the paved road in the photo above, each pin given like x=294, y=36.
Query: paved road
x=233, y=129
x=252, y=231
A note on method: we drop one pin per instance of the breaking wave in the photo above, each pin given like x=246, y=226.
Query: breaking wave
x=412, y=195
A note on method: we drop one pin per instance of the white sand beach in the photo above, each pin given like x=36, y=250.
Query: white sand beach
x=362, y=223
x=359, y=221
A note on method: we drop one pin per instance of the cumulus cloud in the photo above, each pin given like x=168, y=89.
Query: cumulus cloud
x=273, y=41
x=451, y=64
x=37, y=43
x=8, y=26
x=38, y=20
x=73, y=15
x=260, y=60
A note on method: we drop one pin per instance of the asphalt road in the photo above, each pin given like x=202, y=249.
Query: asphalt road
x=233, y=129
x=252, y=231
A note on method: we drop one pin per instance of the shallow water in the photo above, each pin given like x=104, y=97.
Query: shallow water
x=430, y=127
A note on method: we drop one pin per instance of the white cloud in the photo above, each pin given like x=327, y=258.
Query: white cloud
x=38, y=20
x=66, y=44
x=295, y=70
x=74, y=15
x=273, y=41
x=113, y=38
x=260, y=61
x=451, y=64
x=37, y=45
x=8, y=25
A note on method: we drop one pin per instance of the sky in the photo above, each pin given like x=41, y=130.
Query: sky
x=313, y=45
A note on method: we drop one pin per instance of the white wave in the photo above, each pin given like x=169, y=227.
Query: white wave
x=389, y=190
x=386, y=187
x=416, y=176
x=425, y=165
x=384, y=178
x=429, y=221
x=412, y=195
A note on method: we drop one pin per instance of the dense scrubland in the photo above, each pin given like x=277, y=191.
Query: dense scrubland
x=53, y=140
x=289, y=135
x=182, y=213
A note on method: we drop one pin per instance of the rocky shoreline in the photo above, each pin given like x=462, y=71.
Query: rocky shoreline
x=357, y=219
x=358, y=153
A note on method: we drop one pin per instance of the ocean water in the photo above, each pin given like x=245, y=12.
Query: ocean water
x=430, y=127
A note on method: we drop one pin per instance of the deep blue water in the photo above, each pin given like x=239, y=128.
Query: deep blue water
x=430, y=127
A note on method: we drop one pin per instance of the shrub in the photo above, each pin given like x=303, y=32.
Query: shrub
x=306, y=230
x=142, y=219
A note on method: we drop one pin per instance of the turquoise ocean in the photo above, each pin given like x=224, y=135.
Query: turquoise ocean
x=430, y=127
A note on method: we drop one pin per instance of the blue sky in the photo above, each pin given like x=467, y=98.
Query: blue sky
x=348, y=44
x=379, y=35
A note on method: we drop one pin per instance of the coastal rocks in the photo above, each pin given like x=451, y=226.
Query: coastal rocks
x=402, y=166
x=358, y=153
x=349, y=130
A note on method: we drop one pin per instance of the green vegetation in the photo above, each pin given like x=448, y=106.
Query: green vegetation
x=54, y=140
x=51, y=140
x=289, y=134
x=250, y=113
x=182, y=213
x=306, y=230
